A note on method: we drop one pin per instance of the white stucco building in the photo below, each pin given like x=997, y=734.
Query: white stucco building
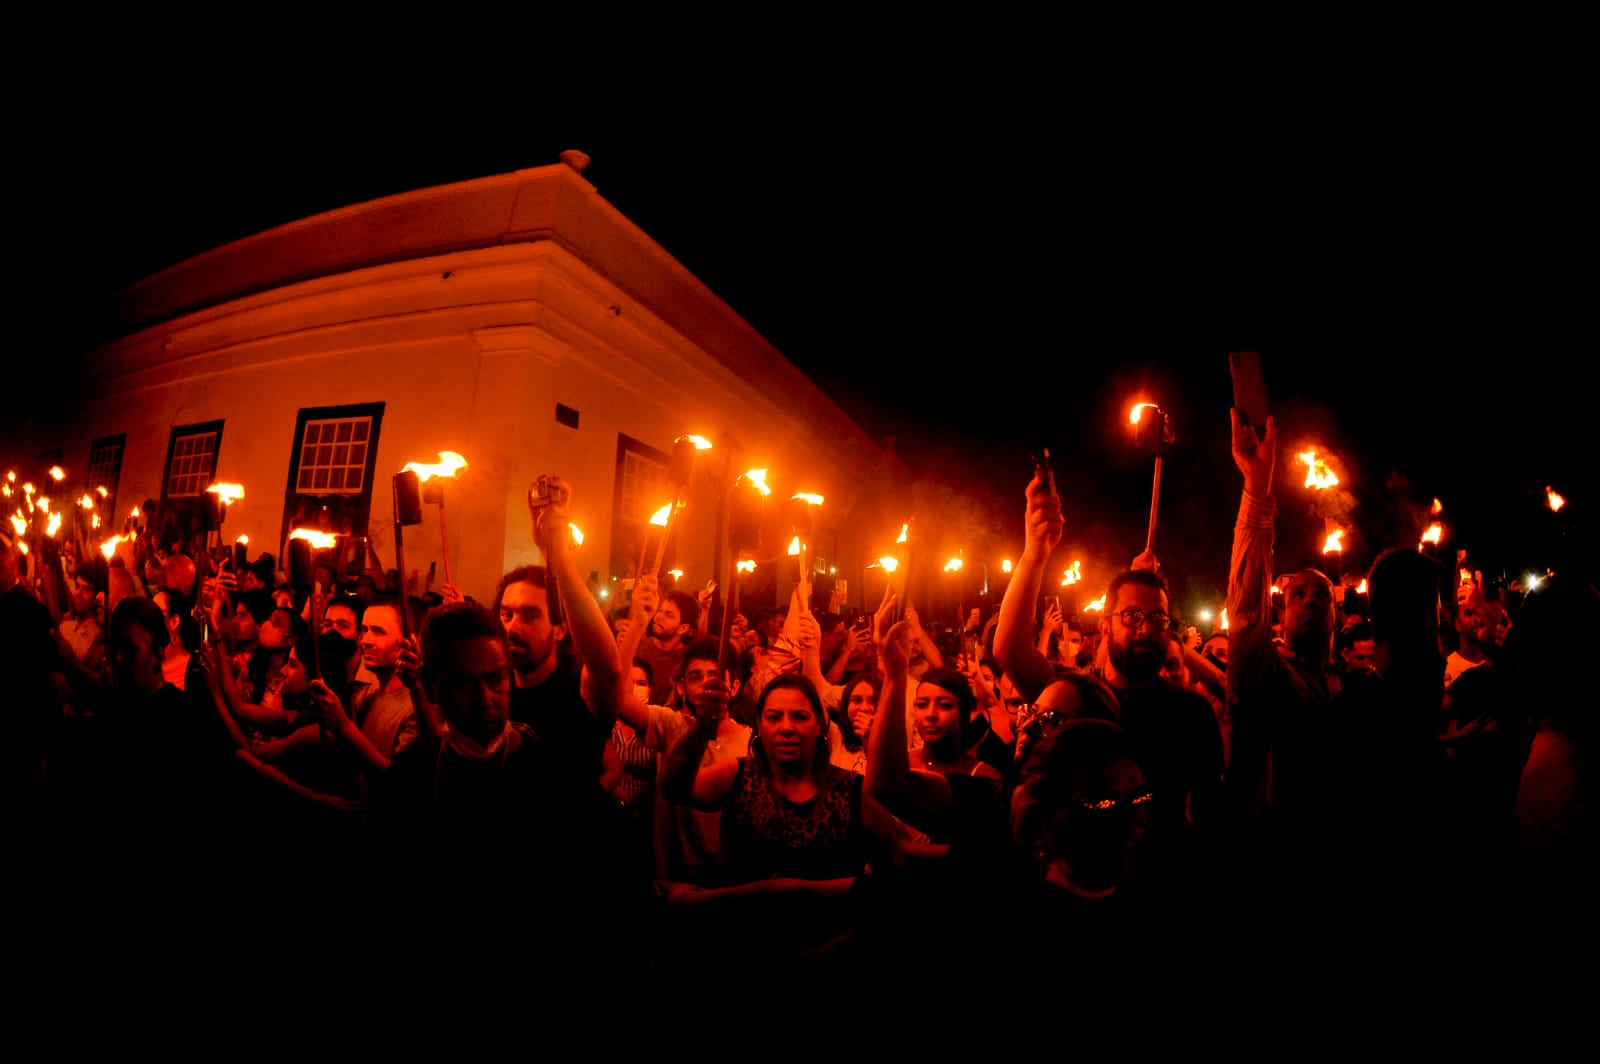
x=519, y=320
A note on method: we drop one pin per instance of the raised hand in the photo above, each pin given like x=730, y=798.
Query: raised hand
x=1043, y=524
x=409, y=662
x=897, y=649
x=1254, y=458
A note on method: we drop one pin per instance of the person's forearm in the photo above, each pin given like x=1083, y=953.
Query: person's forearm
x=1250, y=586
x=1014, y=648
x=590, y=632
x=681, y=763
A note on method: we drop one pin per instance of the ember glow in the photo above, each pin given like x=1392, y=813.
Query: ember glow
x=1334, y=542
x=1318, y=475
x=1138, y=411
x=659, y=518
x=746, y=566
x=758, y=477
x=889, y=564
x=1097, y=605
x=1555, y=501
x=227, y=492
x=318, y=540
x=446, y=466
x=1434, y=533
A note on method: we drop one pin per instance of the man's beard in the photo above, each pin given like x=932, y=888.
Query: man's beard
x=1139, y=660
x=523, y=659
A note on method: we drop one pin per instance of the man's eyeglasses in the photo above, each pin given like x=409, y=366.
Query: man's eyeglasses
x=1133, y=619
x=1032, y=718
x=1015, y=706
x=1112, y=805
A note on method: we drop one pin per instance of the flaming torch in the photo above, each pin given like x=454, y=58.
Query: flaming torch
x=1429, y=544
x=681, y=471
x=1553, y=500
x=743, y=524
x=1334, y=545
x=302, y=541
x=431, y=480
x=1151, y=433
x=1319, y=477
x=800, y=514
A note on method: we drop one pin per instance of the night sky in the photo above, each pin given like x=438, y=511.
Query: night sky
x=980, y=281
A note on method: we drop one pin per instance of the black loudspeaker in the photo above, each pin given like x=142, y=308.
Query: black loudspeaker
x=407, y=498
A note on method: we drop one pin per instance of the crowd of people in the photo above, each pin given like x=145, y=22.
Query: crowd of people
x=666, y=803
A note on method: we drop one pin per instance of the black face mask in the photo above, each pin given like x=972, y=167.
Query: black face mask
x=335, y=649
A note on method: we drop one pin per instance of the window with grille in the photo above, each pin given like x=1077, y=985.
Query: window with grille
x=333, y=456
x=192, y=464
x=105, y=469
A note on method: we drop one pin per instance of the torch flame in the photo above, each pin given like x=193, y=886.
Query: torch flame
x=1138, y=411
x=577, y=533
x=1097, y=604
x=758, y=477
x=318, y=540
x=1224, y=618
x=19, y=523
x=12, y=476
x=1005, y=565
x=57, y=474
x=7, y=489
x=1073, y=574
x=745, y=566
x=104, y=494
x=953, y=565
x=794, y=545
x=1433, y=534
x=1466, y=576
x=889, y=564
x=53, y=525
x=1556, y=501
x=135, y=512
x=86, y=501
x=243, y=539
x=43, y=503
x=700, y=442
x=1438, y=507
x=659, y=518
x=94, y=521
x=28, y=488
x=1318, y=475
x=446, y=466
x=904, y=529
x=814, y=500
x=1276, y=590
x=1361, y=588
x=109, y=547
x=677, y=574
x=1334, y=542
x=228, y=492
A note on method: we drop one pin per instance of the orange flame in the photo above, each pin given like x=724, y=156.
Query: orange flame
x=1276, y=590
x=1138, y=411
x=814, y=500
x=758, y=477
x=677, y=574
x=104, y=494
x=1224, y=618
x=577, y=533
x=1438, y=507
x=1097, y=604
x=794, y=545
x=135, y=512
x=318, y=540
x=953, y=565
x=1556, y=501
x=1361, y=588
x=243, y=539
x=700, y=442
x=1334, y=542
x=1434, y=533
x=904, y=530
x=57, y=474
x=745, y=567
x=1073, y=574
x=1318, y=475
x=889, y=564
x=1005, y=565
x=446, y=466
x=86, y=501
x=109, y=547
x=53, y=525
x=228, y=492
x=94, y=521
x=6, y=488
x=19, y=523
x=659, y=518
